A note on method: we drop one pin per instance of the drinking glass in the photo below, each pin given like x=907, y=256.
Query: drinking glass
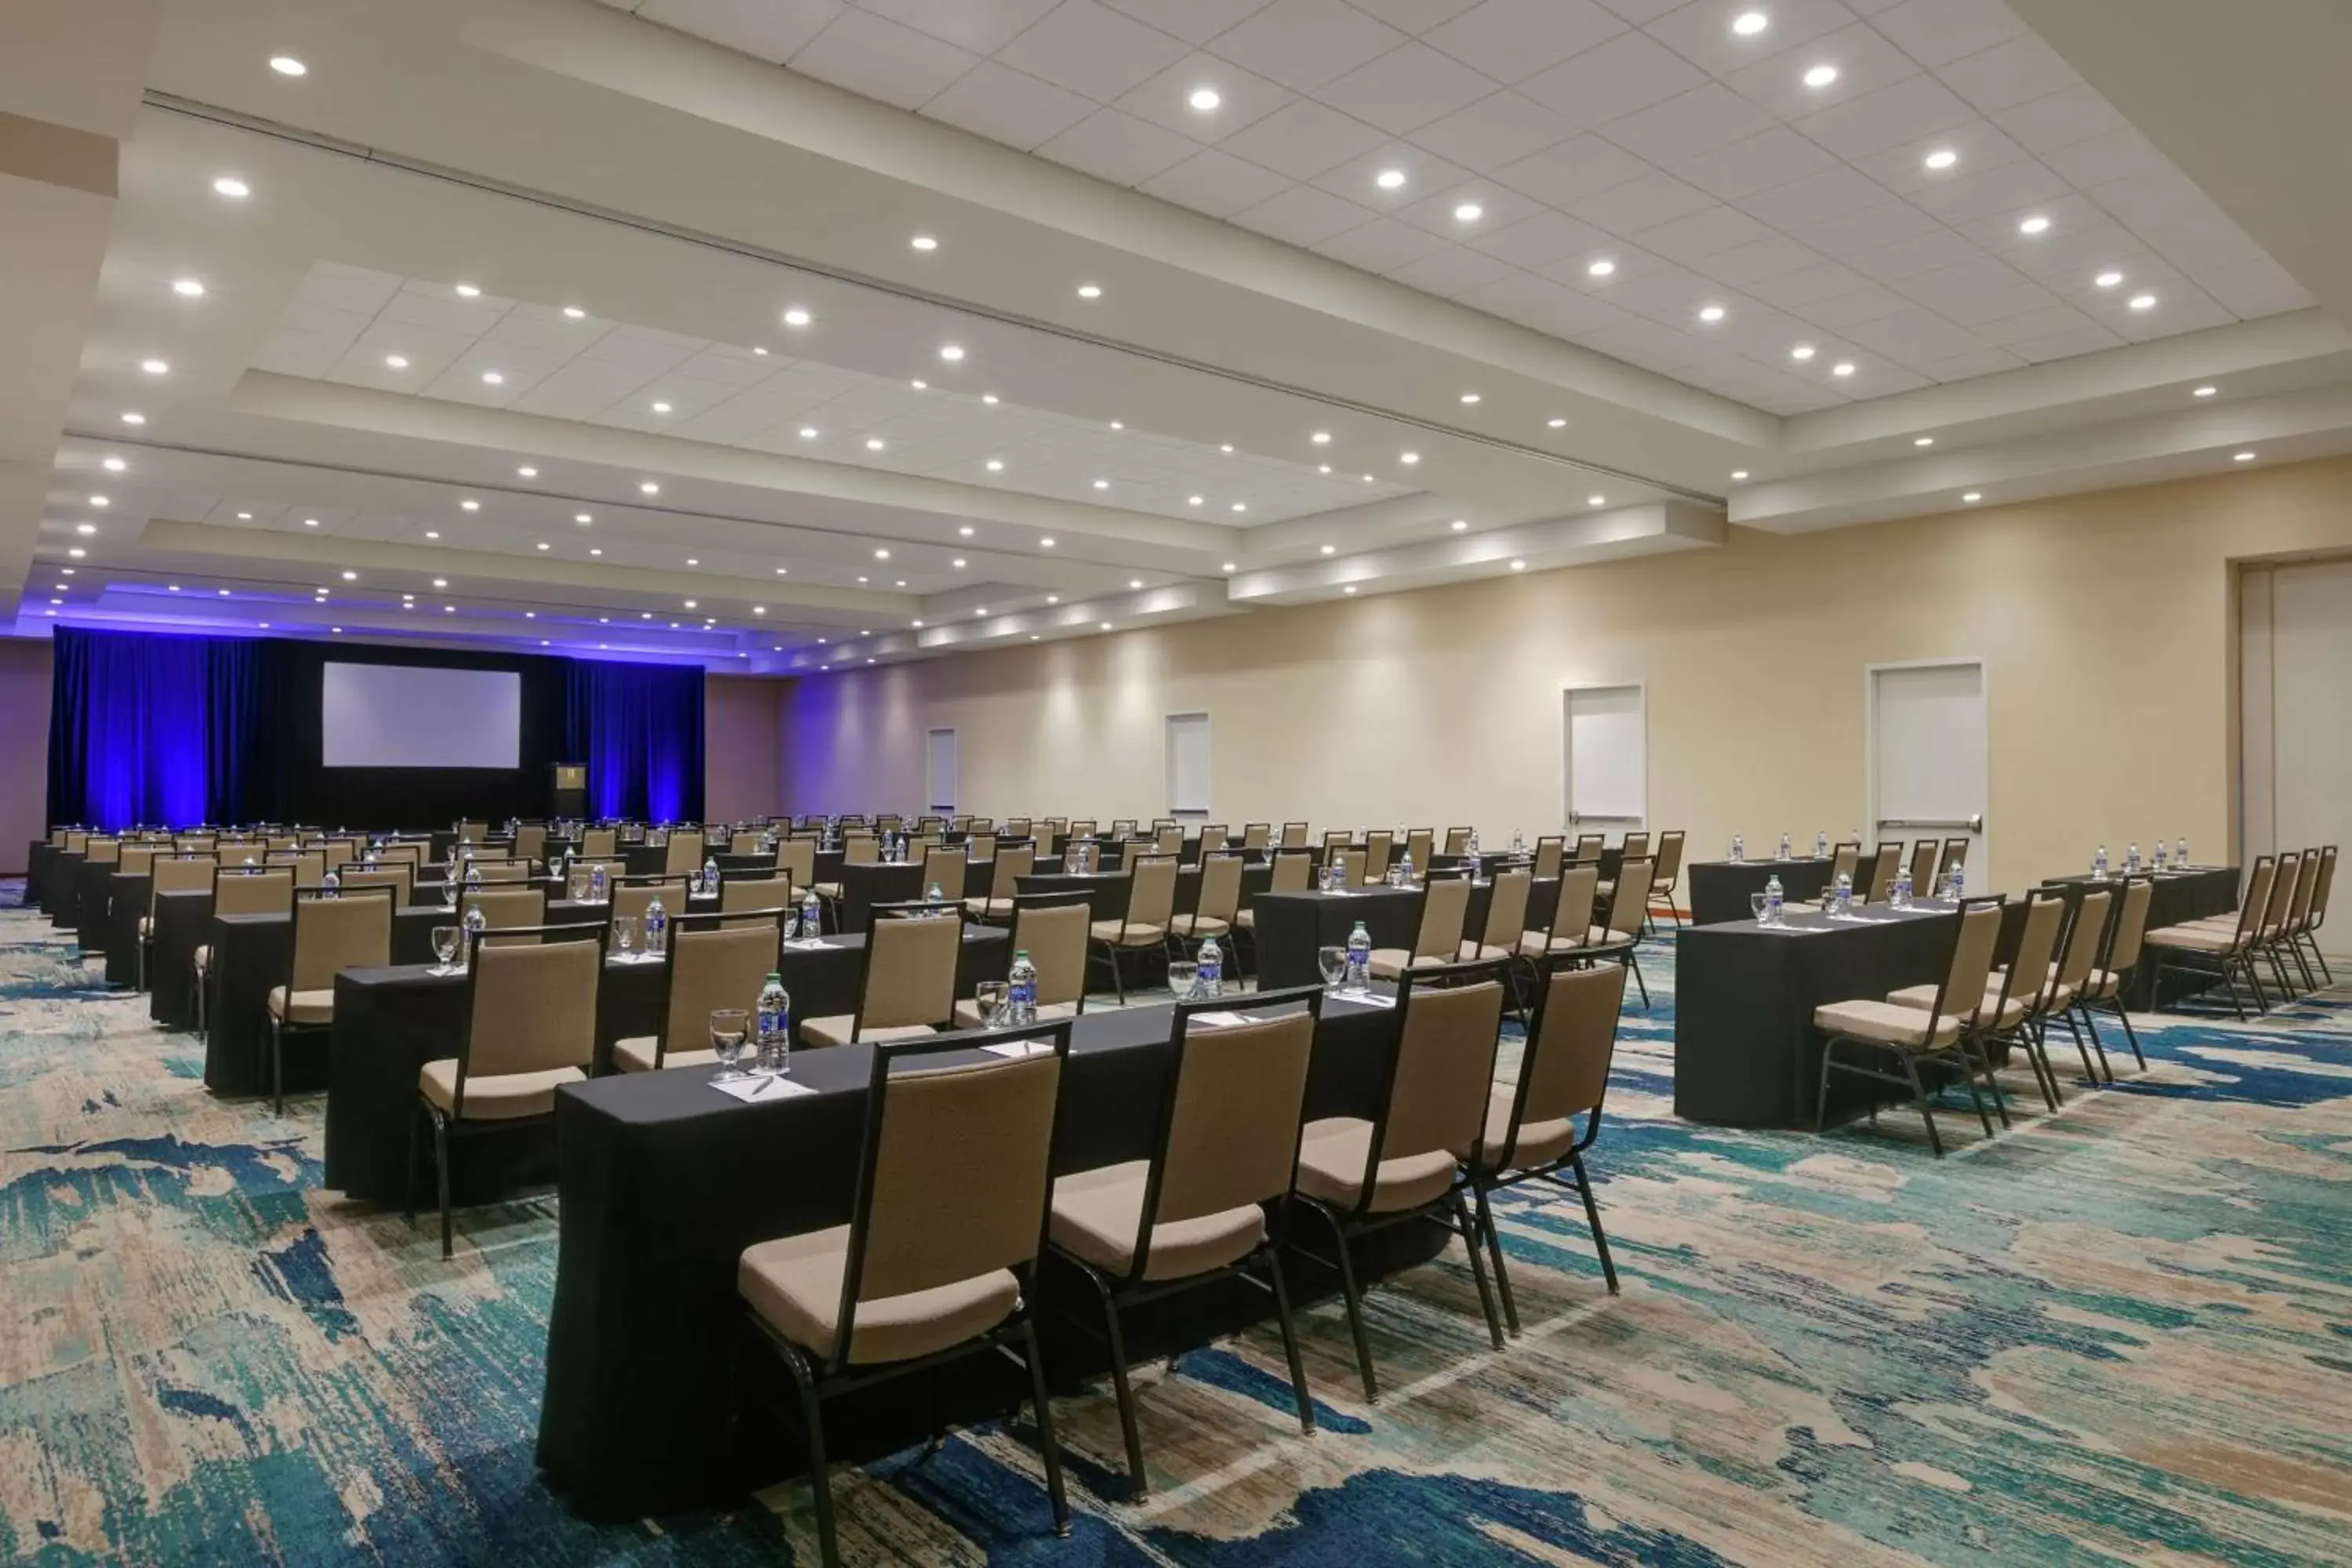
x=1333, y=962
x=730, y=1027
x=1756, y=907
x=576, y=884
x=445, y=948
x=1182, y=976
x=994, y=998
x=790, y=925
x=624, y=936
x=449, y=894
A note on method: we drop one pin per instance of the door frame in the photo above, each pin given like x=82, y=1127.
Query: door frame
x=955, y=782
x=1168, y=763
x=1567, y=756
x=1870, y=674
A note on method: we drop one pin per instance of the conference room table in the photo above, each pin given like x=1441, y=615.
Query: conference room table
x=1719, y=889
x=664, y=1180
x=2174, y=899
x=1292, y=928
x=39, y=854
x=390, y=1021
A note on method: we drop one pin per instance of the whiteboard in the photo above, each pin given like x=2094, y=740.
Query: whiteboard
x=411, y=716
x=1188, y=763
x=939, y=768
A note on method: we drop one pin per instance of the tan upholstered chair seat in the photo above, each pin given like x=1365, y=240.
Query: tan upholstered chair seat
x=966, y=1013
x=2194, y=938
x=828, y=889
x=1885, y=1023
x=1600, y=936
x=1331, y=1155
x=1604, y=888
x=1136, y=935
x=983, y=909
x=1389, y=962
x=308, y=1006
x=1535, y=944
x=1483, y=952
x=2097, y=986
x=1246, y=920
x=834, y=1031
x=636, y=1054
x=794, y=1282
x=1199, y=925
x=496, y=1096
x=1541, y=1142
x=1097, y=1215
x=1921, y=997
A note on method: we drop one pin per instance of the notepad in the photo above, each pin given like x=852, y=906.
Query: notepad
x=756, y=1091
x=808, y=944
x=1018, y=1047
x=1223, y=1020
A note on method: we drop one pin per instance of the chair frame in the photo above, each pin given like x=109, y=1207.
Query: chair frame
x=683, y=925
x=1113, y=946
x=2238, y=957
x=280, y=1028
x=1911, y=1059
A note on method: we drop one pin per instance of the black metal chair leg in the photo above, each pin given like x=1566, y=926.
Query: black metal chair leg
x=1919, y=1099
x=1634, y=964
x=2091, y=1028
x=1469, y=1232
x=1980, y=1060
x=1353, y=1296
x=1048, y=1447
x=1822, y=1099
x=408, y=1193
x=1290, y=1340
x=2130, y=1035
x=1121, y=1388
x=1969, y=1078
x=2081, y=1049
x=277, y=1068
x=813, y=1432
x=1592, y=1219
x=441, y=1163
x=1495, y=1254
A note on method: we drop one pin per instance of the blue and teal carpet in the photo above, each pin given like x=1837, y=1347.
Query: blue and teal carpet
x=2120, y=1334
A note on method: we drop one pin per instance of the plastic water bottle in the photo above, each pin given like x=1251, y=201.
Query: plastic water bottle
x=1773, y=901
x=1404, y=870
x=2159, y=855
x=473, y=922
x=1902, y=898
x=1956, y=883
x=1471, y=849
x=1844, y=893
x=1210, y=975
x=710, y=873
x=811, y=913
x=596, y=883
x=473, y=877
x=657, y=923
x=775, y=1026
x=2180, y=854
x=1783, y=852
x=2099, y=865
x=1738, y=849
x=1821, y=845
x=1518, y=842
x=1359, y=960
x=1021, y=991
x=2131, y=859
x=331, y=886
x=931, y=896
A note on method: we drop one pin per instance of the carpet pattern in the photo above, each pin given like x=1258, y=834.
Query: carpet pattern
x=2122, y=1333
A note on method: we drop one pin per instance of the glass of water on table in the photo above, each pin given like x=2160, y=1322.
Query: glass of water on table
x=730, y=1027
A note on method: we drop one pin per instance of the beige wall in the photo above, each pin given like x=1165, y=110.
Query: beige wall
x=741, y=752
x=2106, y=622
x=24, y=747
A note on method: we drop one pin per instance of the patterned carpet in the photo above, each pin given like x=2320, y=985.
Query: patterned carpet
x=2120, y=1334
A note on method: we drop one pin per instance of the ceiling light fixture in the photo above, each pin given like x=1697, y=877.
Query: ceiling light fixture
x=155, y=367
x=594, y=551
x=395, y=362
x=1135, y=582
x=1923, y=441
x=796, y=317
x=1596, y=500
x=1331, y=550
x=574, y=313
x=287, y=65
x=650, y=487
x=1460, y=524
x=101, y=502
x=881, y=556
x=661, y=407
x=1241, y=506
x=468, y=291
x=130, y=417
x=1739, y=473
x=1748, y=24
x=1843, y=367
x=1348, y=589
x=2244, y=457
x=114, y=465
x=188, y=288
x=1601, y=269
x=1469, y=397
x=2205, y=392
x=2143, y=301
x=1046, y=543
x=429, y=533
x=527, y=472
x=1710, y=313
x=1194, y=501
x=440, y=582
x=924, y=242
x=1972, y=497
x=988, y=398
x=2037, y=223
x=1390, y=179
x=582, y=519
x=1468, y=212
x=2108, y=279
x=1408, y=458
x=471, y=505
x=958, y=563
x=1801, y=351
x=874, y=443
x=1322, y=437
x=1102, y=484
x=1089, y=291
x=995, y=465
x=231, y=186
x=808, y=432
x=1941, y=158
x=493, y=378
x=310, y=523
x=952, y=352
x=86, y=529
x=1555, y=424
x=1821, y=76
x=545, y=546
x=1205, y=98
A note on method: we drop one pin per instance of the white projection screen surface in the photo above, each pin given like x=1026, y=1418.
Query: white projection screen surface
x=411, y=716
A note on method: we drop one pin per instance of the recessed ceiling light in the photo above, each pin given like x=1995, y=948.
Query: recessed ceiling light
x=2108, y=279
x=1941, y=158
x=1390, y=179
x=1972, y=497
x=440, y=582
x=1923, y=441
x=924, y=242
x=921, y=386
x=1331, y=550
x=1324, y=469
x=1460, y=524
x=1843, y=367
x=1748, y=24
x=2244, y=457
x=395, y=362
x=1194, y=501
x=582, y=519
x=661, y=407
x=1596, y=500
x=527, y=472
x=1224, y=566
x=471, y=505
x=130, y=417
x=231, y=186
x=1555, y=424
x=113, y=465
x=1241, y=506
x=1053, y=598
x=594, y=551
x=1104, y=625
x=1408, y=458
x=1710, y=313
x=874, y=443
x=959, y=562
x=155, y=367
x=689, y=603
x=783, y=571
x=918, y=622
x=86, y=529
x=1205, y=98
x=952, y=352
x=1821, y=76
x=468, y=291
x=1739, y=473
x=188, y=288
x=1801, y=351
x=1089, y=291
x=2205, y=392
x=881, y=556
x=995, y=465
x=545, y=546
x=1348, y=589
x=429, y=533
x=2143, y=301
x=650, y=487
x=1102, y=484
x=574, y=313
x=1518, y=566
x=1469, y=397
x=101, y=501
x=796, y=317
x=808, y=432
x=1322, y=437
x=78, y=552
x=2037, y=223
x=1601, y=269
x=988, y=398
x=287, y=65
x=1468, y=212
x=310, y=523
x=1226, y=449
x=1135, y=582
x=492, y=378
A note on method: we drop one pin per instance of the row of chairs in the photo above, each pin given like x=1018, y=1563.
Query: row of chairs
x=2276, y=924
x=1931, y=862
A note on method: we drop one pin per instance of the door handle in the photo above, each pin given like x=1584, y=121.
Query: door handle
x=1973, y=824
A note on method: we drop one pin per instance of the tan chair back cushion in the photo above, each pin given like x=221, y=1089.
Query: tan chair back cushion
x=503, y=870
x=2258, y=897
x=796, y=859
x=2299, y=900
x=1964, y=987
x=599, y=843
x=2083, y=939
x=1151, y=895
x=632, y=901
x=1445, y=1067
x=1506, y=908
x=959, y=1175
x=253, y=893
x=980, y=846
x=1572, y=913
x=710, y=968
x=743, y=844
x=1670, y=858
x=1882, y=872
x=861, y=848
x=1635, y=846
x=1221, y=887
x=1233, y=1134
x=530, y=841
x=2132, y=924
x=331, y=935
x=534, y=1008
x=1923, y=868
x=1294, y=836
x=1457, y=840
x=508, y=908
x=750, y=896
x=1082, y=828
x=1012, y=863
x=475, y=831
x=682, y=854
x=104, y=852
x=1351, y=865
x=1171, y=840
x=1420, y=843
x=911, y=973
x=410, y=855
x=1566, y=1073
x=1844, y=862
x=1292, y=872
x=1632, y=897
x=179, y=877
x=2030, y=979
x=1054, y=937
x=944, y=867
x=136, y=859
x=1445, y=909
x=1550, y=855
x=398, y=876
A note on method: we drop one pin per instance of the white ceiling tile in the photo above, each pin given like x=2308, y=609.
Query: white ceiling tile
x=1833, y=193
x=2011, y=188
x=984, y=26
x=1357, y=179
x=1559, y=174
x=342, y=287
x=1748, y=264
x=1165, y=99
x=2117, y=154
x=1302, y=44
x=1537, y=242
x=1382, y=245
x=1511, y=39
x=772, y=30
x=1707, y=232
x=1303, y=140
x=1701, y=31
x=1915, y=338
x=2009, y=74
x=1642, y=13
x=1864, y=60
x=425, y=349
x=876, y=56
x=1688, y=124
x=2087, y=339
x=1451, y=271
x=1630, y=261
x=1651, y=344
x=1641, y=204
x=1406, y=89
x=1625, y=75
x=1117, y=147
x=1776, y=157
x=2197, y=244
x=1876, y=377
x=1968, y=365
x=1499, y=128
x=2260, y=287
x=725, y=366
x=1660, y=291
x=444, y=311
x=1414, y=16
x=1089, y=49
x=291, y=350
x=1194, y=21
x=2048, y=320
x=1793, y=291
x=1974, y=292
x=1540, y=303
x=644, y=348
x=1938, y=31
x=2071, y=256
x=1978, y=144
x=1214, y=182
x=2059, y=119
x=1303, y=216
x=1498, y=208
x=1840, y=313
x=1928, y=252
x=1004, y=105
x=1889, y=223
x=1896, y=116
x=2139, y=199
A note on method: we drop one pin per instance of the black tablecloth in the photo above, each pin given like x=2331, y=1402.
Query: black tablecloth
x=2175, y=898
x=1292, y=926
x=1719, y=888
x=126, y=894
x=93, y=888
x=57, y=888
x=183, y=923
x=38, y=856
x=665, y=1181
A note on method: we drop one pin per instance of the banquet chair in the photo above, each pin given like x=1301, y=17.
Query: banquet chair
x=401, y=852
x=1635, y=846
x=2309, y=935
x=888, y=822
x=1354, y=871
x=1620, y=935
x=135, y=859
x=2282, y=941
x=1419, y=844
x=238, y=892
x=2112, y=970
x=1169, y=840
x=1052, y=928
x=1882, y=872
x=933, y=1266
x=1337, y=839
x=1194, y=1211
x=192, y=875
x=682, y=856
x=1567, y=925
x=1587, y=848
x=630, y=895
x=331, y=935
x=103, y=852
x=1122, y=826
x=2077, y=952
x=980, y=846
x=2017, y=1003
x=796, y=859
x=1215, y=838
x=1082, y=828
x=755, y=895
x=2197, y=948
x=1216, y=903
x=310, y=866
x=599, y=843
x=1055, y=827
x=1437, y=943
x=1457, y=840
x=507, y=911
x=1017, y=827
x=472, y=832
x=711, y=961
x=1668, y=873
x=1923, y=868
x=1293, y=871
x=1013, y=862
x=1379, y=848
x=504, y=870
x=530, y=842
x=1912, y=1035
x=1845, y=858
x=1552, y=853
x=906, y=988
x=961, y=825
x=185, y=842
x=745, y=843
x=1956, y=857
x=1294, y=836
x=1530, y=1133
x=1258, y=835
x=1359, y=1176
x=529, y=1028
x=1150, y=904
x=1507, y=918
x=945, y=868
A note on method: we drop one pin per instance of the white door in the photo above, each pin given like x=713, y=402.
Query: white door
x=1187, y=765
x=1605, y=770
x=940, y=764
x=1927, y=773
